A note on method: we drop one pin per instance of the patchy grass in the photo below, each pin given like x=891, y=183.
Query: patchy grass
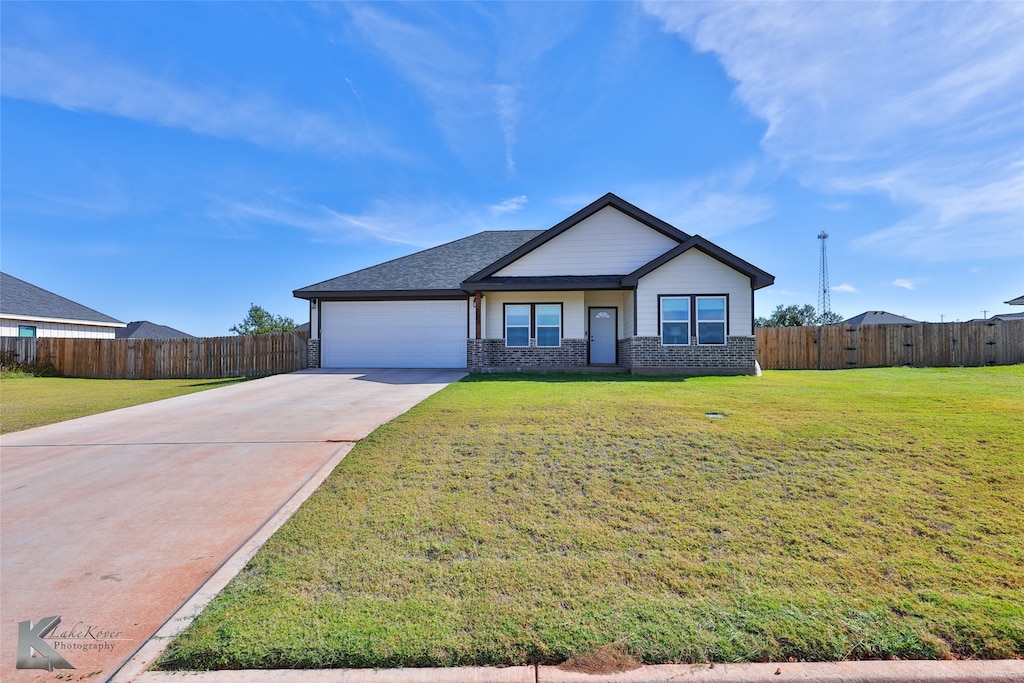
x=511, y=519
x=30, y=401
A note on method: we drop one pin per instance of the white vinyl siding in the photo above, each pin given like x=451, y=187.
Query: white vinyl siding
x=393, y=334
x=607, y=243
x=10, y=328
x=694, y=272
x=573, y=312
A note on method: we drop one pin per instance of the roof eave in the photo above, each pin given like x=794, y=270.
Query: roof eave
x=380, y=294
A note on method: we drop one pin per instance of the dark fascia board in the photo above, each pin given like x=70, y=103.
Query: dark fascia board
x=382, y=294
x=531, y=284
x=758, y=277
x=586, y=212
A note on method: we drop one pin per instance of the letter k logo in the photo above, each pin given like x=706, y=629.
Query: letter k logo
x=31, y=643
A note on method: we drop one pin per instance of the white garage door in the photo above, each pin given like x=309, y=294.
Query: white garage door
x=393, y=334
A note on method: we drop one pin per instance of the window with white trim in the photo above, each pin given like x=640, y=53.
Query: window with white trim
x=675, y=320
x=711, y=325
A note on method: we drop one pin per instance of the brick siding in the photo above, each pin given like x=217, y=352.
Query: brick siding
x=491, y=353
x=313, y=353
x=737, y=355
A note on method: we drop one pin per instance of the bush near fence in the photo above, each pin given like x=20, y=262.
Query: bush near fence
x=200, y=358
x=835, y=347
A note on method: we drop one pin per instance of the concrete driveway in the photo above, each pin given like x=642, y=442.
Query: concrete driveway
x=112, y=522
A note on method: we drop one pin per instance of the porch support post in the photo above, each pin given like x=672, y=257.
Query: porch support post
x=476, y=304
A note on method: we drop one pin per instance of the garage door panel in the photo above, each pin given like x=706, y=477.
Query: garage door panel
x=397, y=334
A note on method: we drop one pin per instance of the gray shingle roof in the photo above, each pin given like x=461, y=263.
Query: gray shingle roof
x=444, y=267
x=143, y=329
x=18, y=297
x=877, y=318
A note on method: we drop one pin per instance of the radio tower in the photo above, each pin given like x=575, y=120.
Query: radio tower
x=824, y=300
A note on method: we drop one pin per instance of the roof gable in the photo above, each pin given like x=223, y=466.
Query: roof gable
x=758, y=277
x=877, y=318
x=607, y=201
x=20, y=298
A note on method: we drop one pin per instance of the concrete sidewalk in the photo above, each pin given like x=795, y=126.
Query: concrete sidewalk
x=1001, y=671
x=112, y=522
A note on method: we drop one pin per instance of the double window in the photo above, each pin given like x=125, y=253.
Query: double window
x=542, y=322
x=708, y=314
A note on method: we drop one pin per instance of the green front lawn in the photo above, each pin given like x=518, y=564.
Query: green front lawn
x=511, y=519
x=27, y=401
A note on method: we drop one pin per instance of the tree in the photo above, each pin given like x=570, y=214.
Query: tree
x=260, y=321
x=798, y=316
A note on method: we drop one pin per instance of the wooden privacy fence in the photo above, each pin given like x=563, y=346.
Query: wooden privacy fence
x=21, y=350
x=211, y=357
x=834, y=347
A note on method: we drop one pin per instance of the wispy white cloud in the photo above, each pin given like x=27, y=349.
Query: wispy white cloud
x=421, y=222
x=510, y=205
x=712, y=205
x=77, y=80
x=921, y=101
x=845, y=288
x=473, y=79
x=903, y=282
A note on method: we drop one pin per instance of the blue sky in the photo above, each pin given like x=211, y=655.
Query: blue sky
x=175, y=162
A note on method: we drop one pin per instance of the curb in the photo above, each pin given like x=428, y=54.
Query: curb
x=966, y=671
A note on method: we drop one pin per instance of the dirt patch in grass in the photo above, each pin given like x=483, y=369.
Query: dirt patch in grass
x=605, y=659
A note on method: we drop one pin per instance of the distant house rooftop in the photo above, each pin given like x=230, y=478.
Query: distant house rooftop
x=143, y=329
x=1019, y=301
x=19, y=299
x=878, y=318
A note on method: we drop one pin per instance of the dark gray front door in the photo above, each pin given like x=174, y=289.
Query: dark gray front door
x=603, y=325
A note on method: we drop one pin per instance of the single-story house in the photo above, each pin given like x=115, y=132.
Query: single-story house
x=30, y=311
x=1019, y=301
x=610, y=285
x=878, y=318
x=143, y=329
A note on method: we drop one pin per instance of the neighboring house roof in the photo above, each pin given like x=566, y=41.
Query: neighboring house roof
x=23, y=300
x=1019, y=301
x=877, y=318
x=143, y=329
x=1008, y=316
x=439, y=270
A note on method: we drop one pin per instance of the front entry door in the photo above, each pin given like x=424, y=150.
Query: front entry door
x=603, y=326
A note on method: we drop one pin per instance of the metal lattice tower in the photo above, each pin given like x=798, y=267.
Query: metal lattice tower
x=824, y=300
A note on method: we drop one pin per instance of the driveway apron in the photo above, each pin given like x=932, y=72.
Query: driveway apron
x=111, y=522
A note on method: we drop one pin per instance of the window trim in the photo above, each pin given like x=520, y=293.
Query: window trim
x=662, y=321
x=505, y=326
x=693, y=321
x=34, y=328
x=532, y=334
x=724, y=320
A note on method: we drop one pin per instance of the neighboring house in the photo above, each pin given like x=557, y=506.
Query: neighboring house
x=609, y=286
x=143, y=329
x=1007, y=316
x=1019, y=301
x=878, y=318
x=30, y=311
